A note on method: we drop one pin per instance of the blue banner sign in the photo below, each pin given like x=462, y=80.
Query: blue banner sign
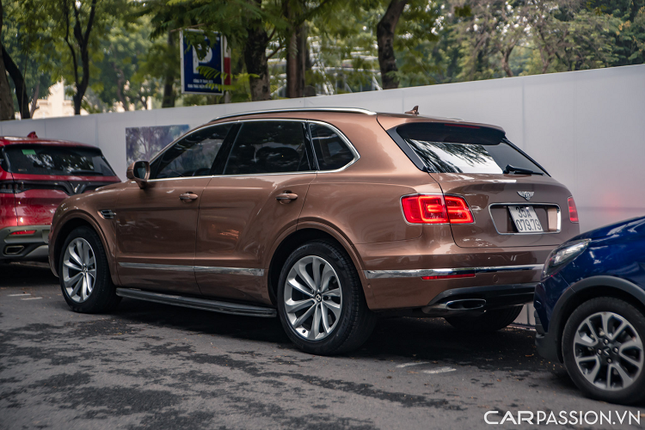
x=192, y=81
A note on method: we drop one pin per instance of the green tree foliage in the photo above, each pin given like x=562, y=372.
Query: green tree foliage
x=118, y=77
x=342, y=50
x=126, y=52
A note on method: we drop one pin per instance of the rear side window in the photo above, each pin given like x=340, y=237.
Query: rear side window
x=193, y=155
x=34, y=159
x=331, y=151
x=447, y=148
x=268, y=147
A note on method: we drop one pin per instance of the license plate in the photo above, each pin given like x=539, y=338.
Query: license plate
x=525, y=219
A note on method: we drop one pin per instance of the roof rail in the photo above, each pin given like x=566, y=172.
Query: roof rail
x=321, y=109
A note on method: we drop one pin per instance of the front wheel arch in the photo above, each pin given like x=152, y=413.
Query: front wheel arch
x=587, y=289
x=69, y=225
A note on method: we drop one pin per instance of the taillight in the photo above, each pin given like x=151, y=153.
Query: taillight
x=11, y=187
x=425, y=209
x=458, y=211
x=573, y=211
x=436, y=209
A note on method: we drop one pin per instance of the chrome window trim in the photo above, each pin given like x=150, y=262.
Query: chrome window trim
x=296, y=110
x=352, y=148
x=310, y=172
x=417, y=273
x=196, y=269
x=559, y=221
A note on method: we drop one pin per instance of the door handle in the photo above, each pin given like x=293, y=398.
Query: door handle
x=286, y=197
x=187, y=197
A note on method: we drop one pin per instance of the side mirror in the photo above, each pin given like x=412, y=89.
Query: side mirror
x=139, y=171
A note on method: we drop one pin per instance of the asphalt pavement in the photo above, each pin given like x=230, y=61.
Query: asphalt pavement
x=151, y=366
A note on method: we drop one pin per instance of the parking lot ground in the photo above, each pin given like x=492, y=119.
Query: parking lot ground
x=150, y=366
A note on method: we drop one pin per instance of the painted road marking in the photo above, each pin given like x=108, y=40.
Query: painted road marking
x=401, y=366
x=32, y=298
x=19, y=295
x=439, y=370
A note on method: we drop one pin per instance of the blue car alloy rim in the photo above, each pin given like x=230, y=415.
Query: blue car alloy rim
x=608, y=351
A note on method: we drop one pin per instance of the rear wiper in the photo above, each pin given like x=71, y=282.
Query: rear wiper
x=520, y=170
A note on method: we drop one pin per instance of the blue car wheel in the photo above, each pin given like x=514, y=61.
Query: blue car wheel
x=602, y=347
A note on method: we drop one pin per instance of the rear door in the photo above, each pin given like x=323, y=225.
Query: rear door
x=514, y=201
x=257, y=198
x=156, y=226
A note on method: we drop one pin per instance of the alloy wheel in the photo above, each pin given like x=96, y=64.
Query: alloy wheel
x=79, y=270
x=608, y=351
x=313, y=298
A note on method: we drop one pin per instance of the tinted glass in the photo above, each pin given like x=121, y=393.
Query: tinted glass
x=36, y=159
x=454, y=149
x=331, y=151
x=191, y=156
x=268, y=147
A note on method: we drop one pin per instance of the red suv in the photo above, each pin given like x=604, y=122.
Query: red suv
x=35, y=176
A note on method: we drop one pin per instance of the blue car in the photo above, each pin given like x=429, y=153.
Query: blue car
x=590, y=311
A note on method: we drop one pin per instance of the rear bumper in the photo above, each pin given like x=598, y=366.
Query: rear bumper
x=478, y=299
x=32, y=246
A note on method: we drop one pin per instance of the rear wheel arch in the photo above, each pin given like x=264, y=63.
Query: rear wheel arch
x=591, y=288
x=294, y=241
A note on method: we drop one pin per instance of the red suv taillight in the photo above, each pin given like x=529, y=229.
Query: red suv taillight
x=573, y=211
x=11, y=187
x=436, y=209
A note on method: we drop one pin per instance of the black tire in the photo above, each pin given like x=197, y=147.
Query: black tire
x=355, y=322
x=612, y=352
x=489, y=321
x=101, y=296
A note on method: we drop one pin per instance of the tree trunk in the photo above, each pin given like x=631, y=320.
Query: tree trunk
x=385, y=39
x=255, y=58
x=505, y=61
x=18, y=83
x=296, y=63
x=33, y=106
x=6, y=101
x=82, y=38
x=169, y=95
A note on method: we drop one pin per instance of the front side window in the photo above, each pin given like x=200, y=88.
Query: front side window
x=34, y=159
x=268, y=147
x=447, y=148
x=193, y=155
x=331, y=150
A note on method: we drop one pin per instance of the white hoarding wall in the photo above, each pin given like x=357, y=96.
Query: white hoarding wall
x=586, y=128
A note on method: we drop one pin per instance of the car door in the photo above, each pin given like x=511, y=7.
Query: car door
x=156, y=225
x=257, y=199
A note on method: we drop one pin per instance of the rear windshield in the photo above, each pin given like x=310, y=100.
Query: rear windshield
x=56, y=160
x=447, y=148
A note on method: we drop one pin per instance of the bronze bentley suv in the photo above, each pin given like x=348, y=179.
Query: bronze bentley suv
x=325, y=218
